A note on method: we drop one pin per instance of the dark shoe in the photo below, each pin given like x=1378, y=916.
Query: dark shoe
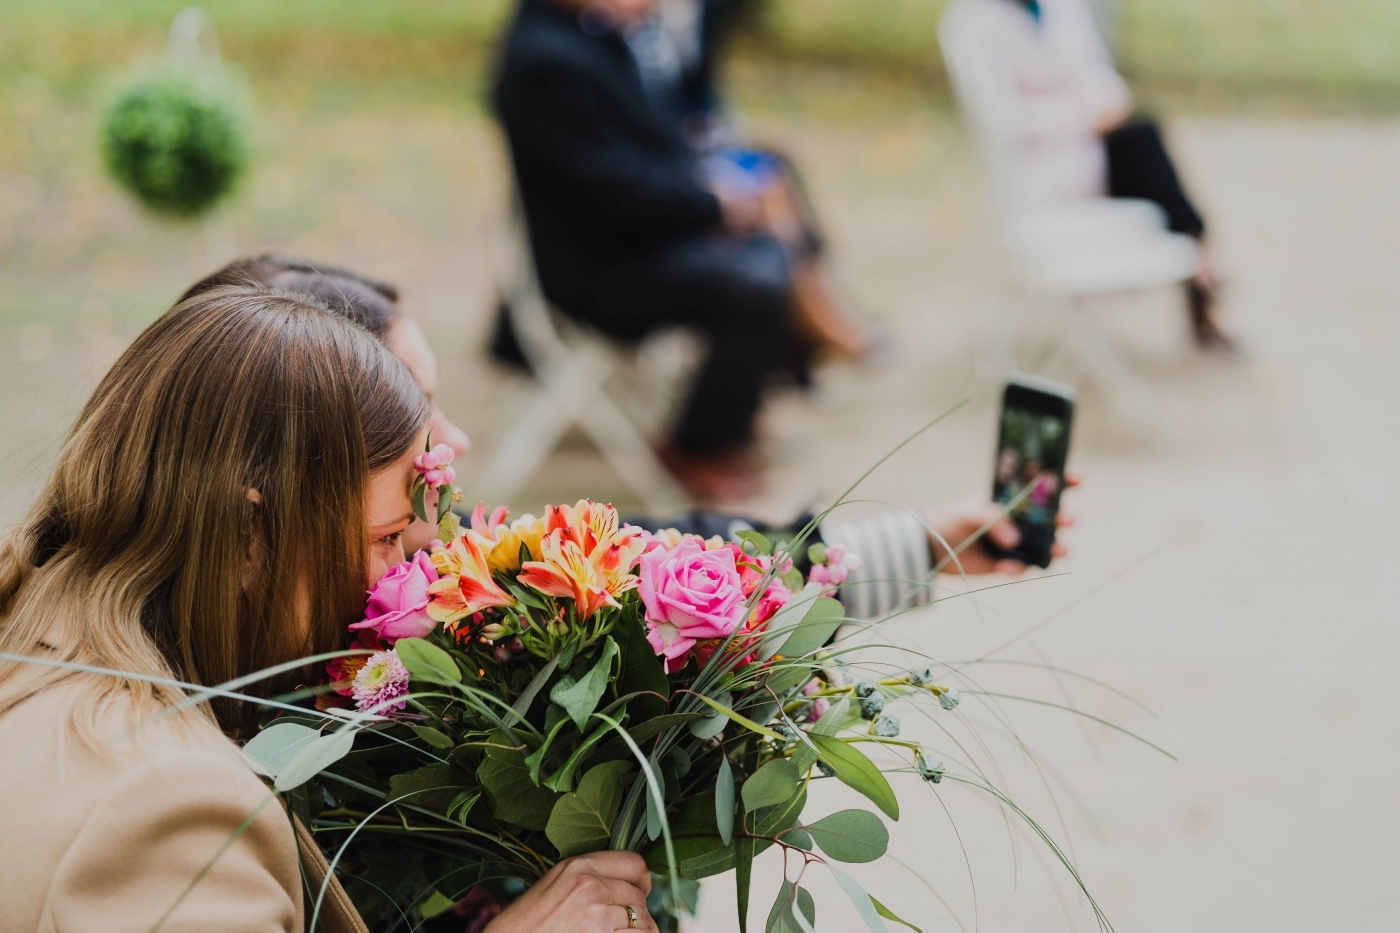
x=1200, y=302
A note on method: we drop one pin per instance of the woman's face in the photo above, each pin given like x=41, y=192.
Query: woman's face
x=390, y=512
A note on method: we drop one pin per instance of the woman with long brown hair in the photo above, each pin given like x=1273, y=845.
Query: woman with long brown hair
x=233, y=486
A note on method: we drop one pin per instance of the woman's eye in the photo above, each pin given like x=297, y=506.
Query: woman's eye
x=391, y=540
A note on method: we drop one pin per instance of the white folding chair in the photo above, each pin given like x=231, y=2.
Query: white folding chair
x=570, y=370
x=1070, y=253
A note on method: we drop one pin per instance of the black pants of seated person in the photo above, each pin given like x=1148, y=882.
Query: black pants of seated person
x=1139, y=166
x=735, y=291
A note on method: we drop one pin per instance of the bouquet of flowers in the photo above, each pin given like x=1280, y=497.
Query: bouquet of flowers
x=544, y=687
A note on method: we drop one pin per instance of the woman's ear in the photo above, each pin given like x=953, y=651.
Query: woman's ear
x=254, y=541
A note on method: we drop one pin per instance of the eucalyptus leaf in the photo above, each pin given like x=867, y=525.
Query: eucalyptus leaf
x=581, y=699
x=857, y=771
x=582, y=821
x=743, y=877
x=851, y=836
x=427, y=661
x=799, y=837
x=888, y=914
x=313, y=758
x=270, y=750
x=784, y=622
x=784, y=919
x=724, y=800
x=816, y=628
x=770, y=785
x=828, y=724
x=864, y=903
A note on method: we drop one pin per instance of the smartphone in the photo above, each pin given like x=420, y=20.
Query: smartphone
x=1032, y=446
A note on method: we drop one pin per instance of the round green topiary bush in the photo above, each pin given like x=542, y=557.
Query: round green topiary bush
x=175, y=140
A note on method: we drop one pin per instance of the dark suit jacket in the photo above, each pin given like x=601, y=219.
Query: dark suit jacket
x=603, y=178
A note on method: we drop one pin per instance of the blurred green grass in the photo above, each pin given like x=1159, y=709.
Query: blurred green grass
x=1251, y=46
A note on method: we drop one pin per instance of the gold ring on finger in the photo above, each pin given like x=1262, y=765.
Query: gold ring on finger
x=631, y=917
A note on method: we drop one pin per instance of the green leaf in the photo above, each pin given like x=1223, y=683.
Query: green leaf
x=724, y=800
x=816, y=628
x=760, y=543
x=785, y=621
x=427, y=661
x=581, y=699
x=743, y=877
x=659, y=724
x=770, y=785
x=688, y=849
x=270, y=750
x=433, y=787
x=857, y=771
x=851, y=835
x=313, y=758
x=566, y=657
x=768, y=822
x=449, y=527
x=829, y=724
x=748, y=724
x=640, y=670
x=792, y=578
x=506, y=778
x=864, y=903
x=444, y=504
x=582, y=821
x=798, y=837
x=433, y=737
x=462, y=804
x=782, y=918
x=521, y=706
x=816, y=553
x=888, y=914
x=415, y=497
x=563, y=779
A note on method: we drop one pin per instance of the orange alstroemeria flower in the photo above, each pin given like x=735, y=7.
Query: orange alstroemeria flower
x=466, y=585
x=586, y=556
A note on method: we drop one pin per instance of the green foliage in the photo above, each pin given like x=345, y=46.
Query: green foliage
x=176, y=141
x=433, y=787
x=426, y=661
x=864, y=903
x=815, y=629
x=851, y=835
x=514, y=796
x=313, y=758
x=770, y=785
x=270, y=750
x=582, y=821
x=640, y=669
x=724, y=801
x=781, y=918
x=854, y=769
x=581, y=699
x=888, y=914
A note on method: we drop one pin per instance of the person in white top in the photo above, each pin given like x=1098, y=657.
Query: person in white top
x=1065, y=121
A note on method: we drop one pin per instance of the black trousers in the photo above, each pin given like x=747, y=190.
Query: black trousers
x=736, y=292
x=1139, y=166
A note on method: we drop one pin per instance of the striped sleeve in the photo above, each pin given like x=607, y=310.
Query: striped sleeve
x=894, y=551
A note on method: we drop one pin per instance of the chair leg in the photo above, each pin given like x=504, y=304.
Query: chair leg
x=1085, y=346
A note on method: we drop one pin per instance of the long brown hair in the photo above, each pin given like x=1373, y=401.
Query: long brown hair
x=209, y=500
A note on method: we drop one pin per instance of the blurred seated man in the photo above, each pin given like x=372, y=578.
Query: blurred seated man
x=631, y=233
x=1073, y=114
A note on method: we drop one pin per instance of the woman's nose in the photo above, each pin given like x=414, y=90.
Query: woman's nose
x=445, y=432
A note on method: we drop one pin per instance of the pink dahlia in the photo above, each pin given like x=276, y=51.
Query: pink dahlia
x=382, y=681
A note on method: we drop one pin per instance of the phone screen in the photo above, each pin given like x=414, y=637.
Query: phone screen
x=1030, y=468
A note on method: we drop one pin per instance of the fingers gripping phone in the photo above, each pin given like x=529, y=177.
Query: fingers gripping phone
x=1032, y=446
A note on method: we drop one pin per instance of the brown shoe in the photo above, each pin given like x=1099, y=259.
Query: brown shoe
x=721, y=476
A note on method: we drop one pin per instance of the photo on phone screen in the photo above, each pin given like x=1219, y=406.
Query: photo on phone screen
x=1032, y=446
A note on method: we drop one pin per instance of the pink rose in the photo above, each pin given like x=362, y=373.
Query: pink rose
x=398, y=604
x=689, y=593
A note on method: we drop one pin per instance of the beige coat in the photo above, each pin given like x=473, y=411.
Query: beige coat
x=141, y=832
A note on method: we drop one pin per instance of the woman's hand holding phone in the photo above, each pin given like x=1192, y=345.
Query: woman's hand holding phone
x=952, y=527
